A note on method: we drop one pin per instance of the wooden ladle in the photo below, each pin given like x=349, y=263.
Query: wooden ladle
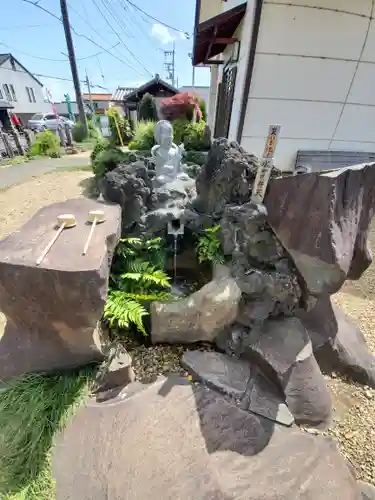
x=63, y=221
x=95, y=217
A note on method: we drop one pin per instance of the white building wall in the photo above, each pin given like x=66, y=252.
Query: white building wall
x=314, y=74
x=20, y=79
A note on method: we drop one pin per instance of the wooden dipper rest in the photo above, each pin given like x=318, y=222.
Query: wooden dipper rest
x=95, y=217
x=63, y=221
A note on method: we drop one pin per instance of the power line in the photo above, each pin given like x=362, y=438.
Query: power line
x=51, y=59
x=116, y=33
x=158, y=20
x=11, y=28
x=81, y=35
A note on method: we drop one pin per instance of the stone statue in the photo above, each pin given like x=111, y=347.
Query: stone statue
x=167, y=155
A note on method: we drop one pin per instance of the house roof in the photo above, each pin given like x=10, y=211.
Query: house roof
x=97, y=97
x=152, y=86
x=212, y=36
x=5, y=57
x=121, y=93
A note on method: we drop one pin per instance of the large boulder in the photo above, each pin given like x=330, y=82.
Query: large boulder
x=52, y=310
x=198, y=317
x=130, y=186
x=282, y=349
x=179, y=441
x=322, y=219
x=338, y=343
x=227, y=177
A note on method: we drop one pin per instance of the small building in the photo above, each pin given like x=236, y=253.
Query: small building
x=130, y=99
x=21, y=89
x=307, y=65
x=98, y=103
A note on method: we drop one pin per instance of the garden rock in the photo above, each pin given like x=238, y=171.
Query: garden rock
x=367, y=491
x=130, y=187
x=237, y=379
x=198, y=317
x=117, y=374
x=282, y=349
x=52, y=310
x=203, y=447
x=338, y=343
x=327, y=240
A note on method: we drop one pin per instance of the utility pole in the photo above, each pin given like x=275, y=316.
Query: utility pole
x=89, y=91
x=73, y=63
x=169, y=63
x=193, y=73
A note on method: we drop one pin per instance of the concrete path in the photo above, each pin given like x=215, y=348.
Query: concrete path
x=16, y=174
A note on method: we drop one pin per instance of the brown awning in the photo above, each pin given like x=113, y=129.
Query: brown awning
x=212, y=36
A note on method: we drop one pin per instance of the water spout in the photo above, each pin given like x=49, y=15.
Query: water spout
x=175, y=228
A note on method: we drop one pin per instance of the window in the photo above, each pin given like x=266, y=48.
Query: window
x=1, y=95
x=30, y=94
x=7, y=93
x=12, y=91
x=50, y=117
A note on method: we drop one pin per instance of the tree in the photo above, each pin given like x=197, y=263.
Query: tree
x=181, y=105
x=147, y=108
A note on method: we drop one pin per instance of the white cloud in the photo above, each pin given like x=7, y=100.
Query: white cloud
x=162, y=33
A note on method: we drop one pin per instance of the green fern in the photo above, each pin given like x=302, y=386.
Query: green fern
x=136, y=278
x=209, y=247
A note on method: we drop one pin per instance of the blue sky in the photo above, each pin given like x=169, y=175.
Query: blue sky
x=34, y=37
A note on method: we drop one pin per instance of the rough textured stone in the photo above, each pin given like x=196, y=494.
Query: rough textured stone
x=226, y=177
x=118, y=373
x=198, y=317
x=52, y=310
x=203, y=447
x=282, y=349
x=328, y=238
x=228, y=375
x=234, y=377
x=129, y=186
x=338, y=344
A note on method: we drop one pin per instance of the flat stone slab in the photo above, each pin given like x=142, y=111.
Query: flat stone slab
x=238, y=379
x=228, y=375
x=182, y=441
x=52, y=310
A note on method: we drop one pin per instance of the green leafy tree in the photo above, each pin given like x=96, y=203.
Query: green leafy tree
x=119, y=126
x=147, y=108
x=136, y=279
x=78, y=132
x=46, y=144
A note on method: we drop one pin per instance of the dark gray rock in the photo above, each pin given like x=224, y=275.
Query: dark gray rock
x=218, y=371
x=338, y=343
x=117, y=373
x=226, y=177
x=282, y=349
x=322, y=219
x=203, y=448
x=130, y=187
x=198, y=317
x=53, y=310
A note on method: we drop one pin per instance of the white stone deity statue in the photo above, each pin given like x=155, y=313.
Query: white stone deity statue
x=167, y=155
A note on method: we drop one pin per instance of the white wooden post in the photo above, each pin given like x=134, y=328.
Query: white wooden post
x=266, y=164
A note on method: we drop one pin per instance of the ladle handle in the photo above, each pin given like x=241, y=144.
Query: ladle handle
x=89, y=237
x=49, y=246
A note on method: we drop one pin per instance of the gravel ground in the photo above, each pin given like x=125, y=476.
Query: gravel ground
x=354, y=405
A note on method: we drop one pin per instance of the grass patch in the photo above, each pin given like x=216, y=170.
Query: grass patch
x=32, y=410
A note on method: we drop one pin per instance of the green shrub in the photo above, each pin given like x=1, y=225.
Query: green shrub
x=107, y=160
x=209, y=247
x=179, y=129
x=195, y=137
x=195, y=157
x=136, y=279
x=78, y=132
x=100, y=145
x=202, y=105
x=46, y=144
x=124, y=127
x=147, y=108
x=192, y=171
x=144, y=136
x=94, y=132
